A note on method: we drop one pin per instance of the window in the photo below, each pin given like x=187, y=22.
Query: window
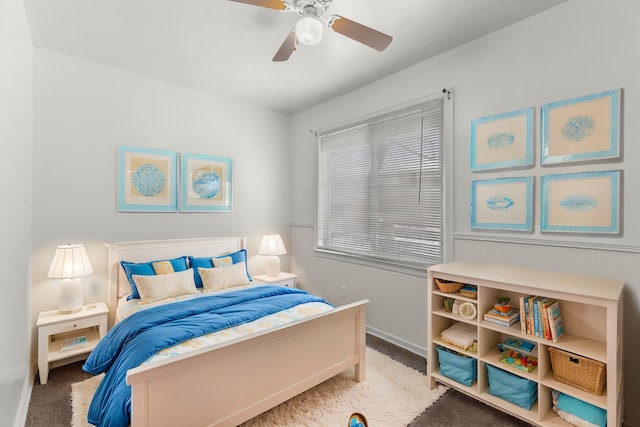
x=380, y=187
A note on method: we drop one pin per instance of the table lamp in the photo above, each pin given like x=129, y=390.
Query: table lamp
x=70, y=262
x=271, y=246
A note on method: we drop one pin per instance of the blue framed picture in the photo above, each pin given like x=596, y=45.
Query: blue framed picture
x=502, y=204
x=206, y=183
x=147, y=180
x=587, y=202
x=502, y=141
x=581, y=129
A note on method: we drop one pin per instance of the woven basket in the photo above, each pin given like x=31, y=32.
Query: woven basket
x=581, y=372
x=469, y=292
x=448, y=286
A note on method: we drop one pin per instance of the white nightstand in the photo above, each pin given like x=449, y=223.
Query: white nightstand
x=53, y=328
x=282, y=279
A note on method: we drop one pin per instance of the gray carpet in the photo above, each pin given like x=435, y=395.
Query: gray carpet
x=50, y=404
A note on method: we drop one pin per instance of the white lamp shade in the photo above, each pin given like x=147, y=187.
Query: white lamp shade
x=70, y=261
x=271, y=245
x=309, y=30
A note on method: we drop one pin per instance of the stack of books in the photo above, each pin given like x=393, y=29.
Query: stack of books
x=541, y=317
x=73, y=343
x=502, y=318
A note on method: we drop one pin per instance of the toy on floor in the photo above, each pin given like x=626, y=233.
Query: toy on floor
x=357, y=420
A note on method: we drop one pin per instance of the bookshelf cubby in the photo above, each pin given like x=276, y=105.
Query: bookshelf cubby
x=592, y=316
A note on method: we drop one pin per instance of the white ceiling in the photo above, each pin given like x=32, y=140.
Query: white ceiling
x=225, y=48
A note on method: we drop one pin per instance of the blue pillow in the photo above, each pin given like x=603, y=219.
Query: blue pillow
x=205, y=262
x=146, y=269
x=583, y=410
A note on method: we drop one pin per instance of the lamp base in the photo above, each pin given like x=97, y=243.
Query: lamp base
x=272, y=266
x=70, y=296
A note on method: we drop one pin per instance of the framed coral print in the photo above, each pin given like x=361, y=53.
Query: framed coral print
x=147, y=180
x=581, y=129
x=587, y=202
x=206, y=183
x=502, y=141
x=502, y=204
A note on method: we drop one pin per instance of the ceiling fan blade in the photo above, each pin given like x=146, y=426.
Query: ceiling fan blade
x=270, y=4
x=290, y=44
x=358, y=32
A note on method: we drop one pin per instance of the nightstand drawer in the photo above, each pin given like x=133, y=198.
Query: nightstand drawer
x=290, y=283
x=72, y=325
x=282, y=279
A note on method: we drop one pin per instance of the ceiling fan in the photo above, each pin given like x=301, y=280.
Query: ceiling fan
x=309, y=28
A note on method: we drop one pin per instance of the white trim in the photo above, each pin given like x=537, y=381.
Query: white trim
x=447, y=186
x=545, y=242
x=23, y=407
x=393, y=339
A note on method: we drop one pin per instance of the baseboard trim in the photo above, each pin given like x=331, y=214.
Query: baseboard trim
x=412, y=347
x=23, y=409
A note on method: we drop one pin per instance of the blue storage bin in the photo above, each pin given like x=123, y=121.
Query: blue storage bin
x=460, y=368
x=512, y=388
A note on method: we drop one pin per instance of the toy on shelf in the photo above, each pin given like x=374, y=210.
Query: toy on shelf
x=503, y=304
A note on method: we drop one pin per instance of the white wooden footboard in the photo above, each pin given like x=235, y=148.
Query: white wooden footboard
x=230, y=383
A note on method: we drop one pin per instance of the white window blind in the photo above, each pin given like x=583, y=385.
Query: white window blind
x=380, y=187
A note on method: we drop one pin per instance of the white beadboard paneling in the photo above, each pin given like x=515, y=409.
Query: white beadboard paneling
x=508, y=253
x=471, y=251
x=531, y=255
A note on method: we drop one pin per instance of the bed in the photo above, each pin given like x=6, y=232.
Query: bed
x=228, y=383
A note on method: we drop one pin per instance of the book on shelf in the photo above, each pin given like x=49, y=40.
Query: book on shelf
x=523, y=313
x=530, y=318
x=555, y=321
x=545, y=319
x=537, y=316
x=519, y=345
x=505, y=316
x=501, y=322
x=73, y=343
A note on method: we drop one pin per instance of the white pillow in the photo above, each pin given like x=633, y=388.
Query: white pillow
x=161, y=286
x=222, y=262
x=214, y=279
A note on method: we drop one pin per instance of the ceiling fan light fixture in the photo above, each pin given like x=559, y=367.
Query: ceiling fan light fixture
x=309, y=30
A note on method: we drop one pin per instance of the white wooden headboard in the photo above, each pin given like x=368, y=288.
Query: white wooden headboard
x=151, y=250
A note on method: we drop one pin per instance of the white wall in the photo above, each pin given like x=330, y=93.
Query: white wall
x=16, y=140
x=83, y=111
x=578, y=48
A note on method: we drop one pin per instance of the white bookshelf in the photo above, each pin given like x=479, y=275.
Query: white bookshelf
x=592, y=316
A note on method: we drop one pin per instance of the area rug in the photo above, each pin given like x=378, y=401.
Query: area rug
x=392, y=395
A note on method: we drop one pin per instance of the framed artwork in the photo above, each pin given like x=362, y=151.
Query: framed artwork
x=502, y=204
x=147, y=180
x=581, y=129
x=206, y=183
x=587, y=202
x=502, y=141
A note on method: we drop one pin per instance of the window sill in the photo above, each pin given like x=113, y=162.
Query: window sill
x=410, y=269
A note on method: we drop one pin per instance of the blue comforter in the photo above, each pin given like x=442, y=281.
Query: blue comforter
x=139, y=336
